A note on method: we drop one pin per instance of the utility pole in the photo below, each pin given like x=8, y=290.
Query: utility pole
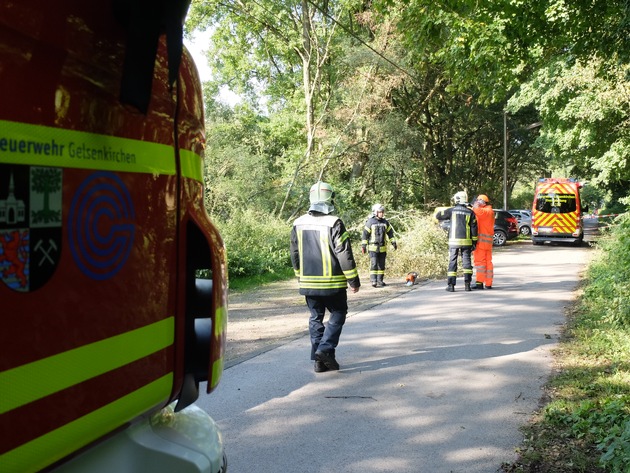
x=505, y=145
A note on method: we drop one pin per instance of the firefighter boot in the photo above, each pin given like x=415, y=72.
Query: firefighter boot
x=478, y=285
x=450, y=288
x=466, y=286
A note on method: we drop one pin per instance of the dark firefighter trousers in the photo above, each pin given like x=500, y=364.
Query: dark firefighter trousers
x=466, y=252
x=326, y=337
x=377, y=266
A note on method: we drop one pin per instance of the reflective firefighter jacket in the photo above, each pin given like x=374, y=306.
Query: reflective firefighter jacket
x=321, y=255
x=463, y=229
x=376, y=233
x=485, y=225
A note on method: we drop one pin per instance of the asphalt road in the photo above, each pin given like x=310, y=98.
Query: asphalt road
x=430, y=381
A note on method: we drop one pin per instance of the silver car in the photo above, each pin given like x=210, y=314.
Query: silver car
x=524, y=218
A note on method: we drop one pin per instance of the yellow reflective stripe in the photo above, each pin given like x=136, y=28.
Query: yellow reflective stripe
x=36, y=380
x=220, y=321
x=323, y=282
x=57, y=444
x=220, y=327
x=339, y=277
x=377, y=248
x=300, y=252
x=324, y=286
x=326, y=257
x=351, y=273
x=217, y=372
x=22, y=143
x=191, y=164
x=460, y=241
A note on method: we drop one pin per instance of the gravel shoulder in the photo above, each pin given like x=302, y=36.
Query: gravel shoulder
x=263, y=318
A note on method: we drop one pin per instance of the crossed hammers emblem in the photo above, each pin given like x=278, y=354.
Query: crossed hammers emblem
x=46, y=252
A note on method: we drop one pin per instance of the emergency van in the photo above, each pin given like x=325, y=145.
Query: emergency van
x=557, y=211
x=107, y=326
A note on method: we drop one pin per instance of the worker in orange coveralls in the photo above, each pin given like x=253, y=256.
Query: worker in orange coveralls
x=483, y=252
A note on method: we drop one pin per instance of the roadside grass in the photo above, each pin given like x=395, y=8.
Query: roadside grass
x=241, y=284
x=584, y=425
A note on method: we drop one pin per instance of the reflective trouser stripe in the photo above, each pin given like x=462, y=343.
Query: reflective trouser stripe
x=485, y=238
x=68, y=438
x=484, y=266
x=466, y=263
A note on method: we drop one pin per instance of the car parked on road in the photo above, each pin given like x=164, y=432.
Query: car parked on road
x=524, y=218
x=505, y=226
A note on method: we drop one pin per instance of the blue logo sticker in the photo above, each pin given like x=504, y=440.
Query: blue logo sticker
x=101, y=225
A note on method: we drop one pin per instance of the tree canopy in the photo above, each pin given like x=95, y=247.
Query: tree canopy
x=404, y=102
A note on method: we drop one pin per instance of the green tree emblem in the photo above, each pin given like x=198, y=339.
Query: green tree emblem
x=46, y=181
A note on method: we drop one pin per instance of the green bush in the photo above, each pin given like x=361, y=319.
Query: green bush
x=422, y=247
x=258, y=247
x=257, y=244
x=608, y=291
x=586, y=424
x=607, y=297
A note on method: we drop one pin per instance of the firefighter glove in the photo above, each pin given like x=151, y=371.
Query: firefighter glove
x=363, y=250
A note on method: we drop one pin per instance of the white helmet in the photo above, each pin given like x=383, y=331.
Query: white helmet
x=461, y=197
x=377, y=208
x=321, y=198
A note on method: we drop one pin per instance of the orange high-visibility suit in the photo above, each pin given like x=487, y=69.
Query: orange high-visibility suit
x=483, y=252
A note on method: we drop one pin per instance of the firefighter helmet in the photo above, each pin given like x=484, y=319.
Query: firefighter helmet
x=461, y=197
x=377, y=208
x=321, y=198
x=483, y=198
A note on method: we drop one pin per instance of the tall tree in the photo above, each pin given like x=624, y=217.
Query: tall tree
x=282, y=52
x=585, y=106
x=575, y=53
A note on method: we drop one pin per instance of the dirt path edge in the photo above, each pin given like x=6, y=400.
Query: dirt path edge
x=268, y=316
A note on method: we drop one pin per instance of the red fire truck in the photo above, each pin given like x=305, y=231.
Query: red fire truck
x=107, y=325
x=557, y=211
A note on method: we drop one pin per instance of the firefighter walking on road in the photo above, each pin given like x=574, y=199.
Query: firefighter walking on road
x=376, y=233
x=462, y=238
x=321, y=255
x=482, y=255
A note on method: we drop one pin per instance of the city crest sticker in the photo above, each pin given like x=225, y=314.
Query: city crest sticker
x=30, y=225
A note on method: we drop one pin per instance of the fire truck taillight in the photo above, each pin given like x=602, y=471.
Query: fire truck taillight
x=201, y=304
x=198, y=339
